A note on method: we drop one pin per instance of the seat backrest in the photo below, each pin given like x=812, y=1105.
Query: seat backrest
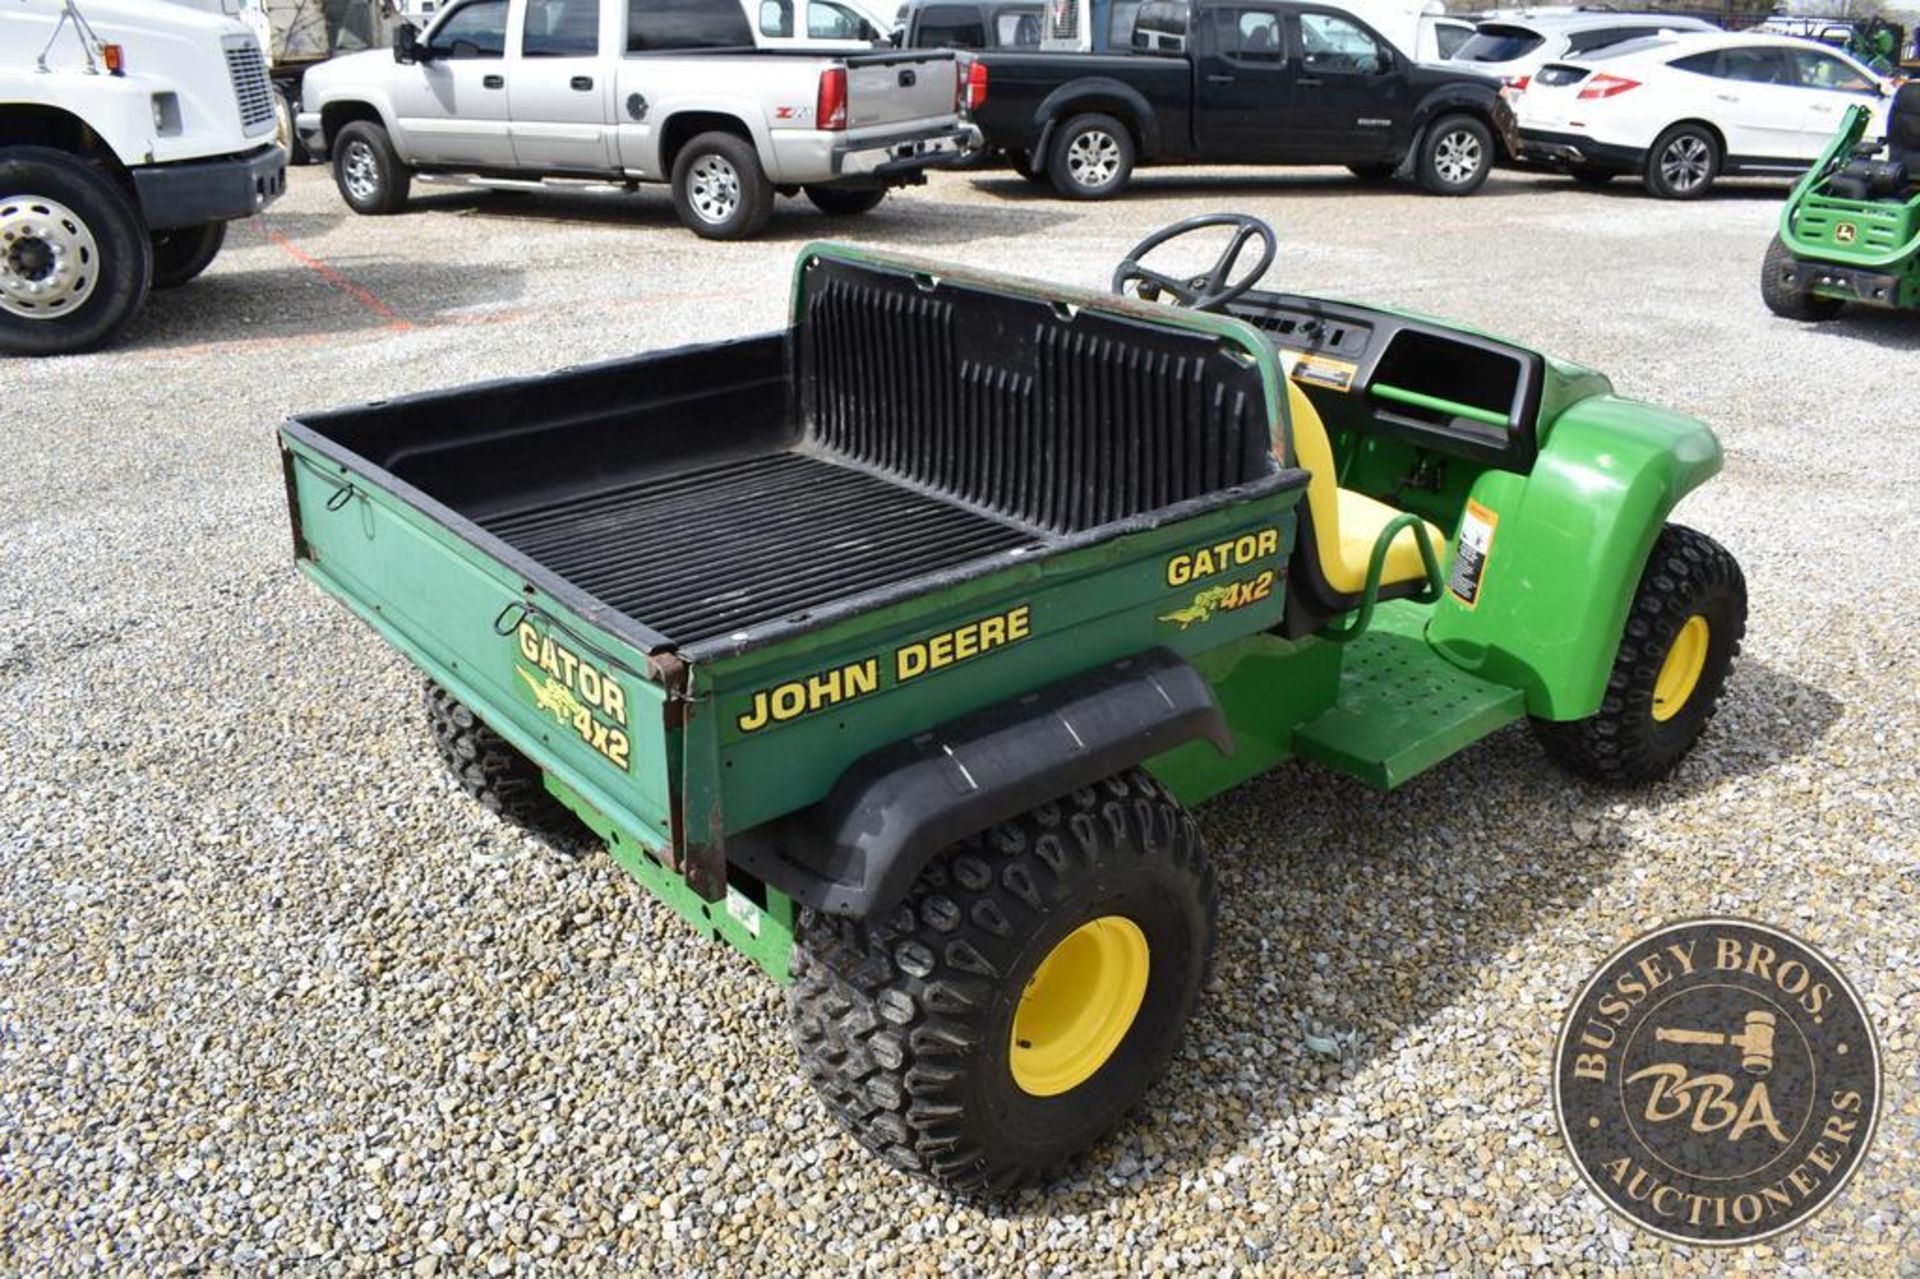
x=1313, y=453
x=1903, y=127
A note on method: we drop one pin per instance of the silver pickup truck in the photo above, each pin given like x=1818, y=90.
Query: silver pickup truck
x=634, y=91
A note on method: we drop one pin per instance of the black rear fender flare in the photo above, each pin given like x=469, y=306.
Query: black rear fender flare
x=1106, y=96
x=858, y=851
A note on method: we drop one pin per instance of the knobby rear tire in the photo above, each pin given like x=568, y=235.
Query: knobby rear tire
x=488, y=768
x=903, y=1024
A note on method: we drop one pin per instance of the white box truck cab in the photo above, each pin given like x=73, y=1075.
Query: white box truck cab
x=131, y=133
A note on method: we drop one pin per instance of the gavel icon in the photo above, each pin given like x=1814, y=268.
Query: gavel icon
x=1755, y=1042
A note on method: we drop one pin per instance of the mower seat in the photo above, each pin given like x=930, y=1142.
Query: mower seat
x=1903, y=129
x=1346, y=524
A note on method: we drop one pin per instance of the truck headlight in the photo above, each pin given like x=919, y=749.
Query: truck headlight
x=166, y=113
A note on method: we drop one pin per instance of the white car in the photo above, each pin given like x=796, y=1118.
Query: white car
x=1682, y=111
x=1516, y=47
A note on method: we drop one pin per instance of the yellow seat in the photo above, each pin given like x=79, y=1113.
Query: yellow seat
x=1346, y=524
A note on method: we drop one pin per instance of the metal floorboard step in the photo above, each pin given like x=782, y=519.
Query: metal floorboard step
x=1402, y=708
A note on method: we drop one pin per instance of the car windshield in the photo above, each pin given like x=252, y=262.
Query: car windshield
x=1499, y=42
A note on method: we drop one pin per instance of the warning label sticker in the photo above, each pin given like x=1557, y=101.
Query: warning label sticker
x=1470, y=561
x=1321, y=371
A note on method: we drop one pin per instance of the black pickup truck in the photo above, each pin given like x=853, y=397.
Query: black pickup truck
x=1241, y=82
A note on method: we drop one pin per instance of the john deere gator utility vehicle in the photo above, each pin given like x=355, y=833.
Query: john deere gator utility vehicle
x=1851, y=228
x=891, y=649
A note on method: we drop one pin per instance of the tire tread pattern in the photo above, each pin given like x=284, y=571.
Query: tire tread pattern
x=886, y=1013
x=1621, y=743
x=492, y=771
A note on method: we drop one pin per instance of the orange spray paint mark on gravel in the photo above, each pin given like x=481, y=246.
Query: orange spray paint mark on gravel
x=319, y=267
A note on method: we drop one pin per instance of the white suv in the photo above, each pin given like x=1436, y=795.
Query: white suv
x=1683, y=111
x=1515, y=48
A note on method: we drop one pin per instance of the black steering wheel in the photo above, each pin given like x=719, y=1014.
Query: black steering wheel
x=1208, y=292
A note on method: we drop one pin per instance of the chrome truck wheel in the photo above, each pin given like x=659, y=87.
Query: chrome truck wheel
x=75, y=261
x=49, y=260
x=1092, y=158
x=719, y=189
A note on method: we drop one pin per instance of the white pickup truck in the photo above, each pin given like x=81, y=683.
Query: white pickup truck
x=635, y=91
x=130, y=134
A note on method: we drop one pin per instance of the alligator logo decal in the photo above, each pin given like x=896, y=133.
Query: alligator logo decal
x=553, y=697
x=1222, y=599
x=1201, y=610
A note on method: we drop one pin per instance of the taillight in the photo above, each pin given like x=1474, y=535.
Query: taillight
x=830, y=108
x=1519, y=83
x=1606, y=86
x=976, y=85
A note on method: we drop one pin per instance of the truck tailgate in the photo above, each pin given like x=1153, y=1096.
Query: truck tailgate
x=537, y=669
x=888, y=90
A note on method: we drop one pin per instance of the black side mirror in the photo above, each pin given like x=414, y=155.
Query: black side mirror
x=406, y=44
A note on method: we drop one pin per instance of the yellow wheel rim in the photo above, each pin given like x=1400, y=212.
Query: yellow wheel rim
x=1078, y=1005
x=1680, y=672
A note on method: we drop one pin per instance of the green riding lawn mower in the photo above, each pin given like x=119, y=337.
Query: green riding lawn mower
x=1851, y=228
x=893, y=648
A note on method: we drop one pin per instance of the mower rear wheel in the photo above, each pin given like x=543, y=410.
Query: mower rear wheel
x=1024, y=996
x=493, y=772
x=1682, y=635
x=1785, y=291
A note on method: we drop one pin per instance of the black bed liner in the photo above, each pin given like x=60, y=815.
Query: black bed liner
x=726, y=546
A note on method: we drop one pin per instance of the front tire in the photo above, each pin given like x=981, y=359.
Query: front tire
x=1092, y=158
x=1676, y=653
x=840, y=202
x=1026, y=994
x=1683, y=163
x=719, y=188
x=488, y=768
x=1784, y=289
x=1456, y=155
x=368, y=171
x=75, y=261
x=180, y=255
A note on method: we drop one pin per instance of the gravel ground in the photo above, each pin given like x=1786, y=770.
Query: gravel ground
x=273, y=994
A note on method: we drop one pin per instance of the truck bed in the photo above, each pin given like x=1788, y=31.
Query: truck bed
x=895, y=441
x=726, y=546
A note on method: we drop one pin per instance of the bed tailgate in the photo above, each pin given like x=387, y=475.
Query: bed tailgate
x=590, y=709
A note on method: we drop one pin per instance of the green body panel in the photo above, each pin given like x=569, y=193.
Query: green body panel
x=436, y=598
x=1267, y=687
x=1882, y=236
x=1402, y=708
x=1084, y=609
x=1567, y=551
x=763, y=933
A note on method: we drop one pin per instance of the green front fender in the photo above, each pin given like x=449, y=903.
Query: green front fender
x=1568, y=545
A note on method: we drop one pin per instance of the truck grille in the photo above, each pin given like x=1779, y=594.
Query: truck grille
x=251, y=87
